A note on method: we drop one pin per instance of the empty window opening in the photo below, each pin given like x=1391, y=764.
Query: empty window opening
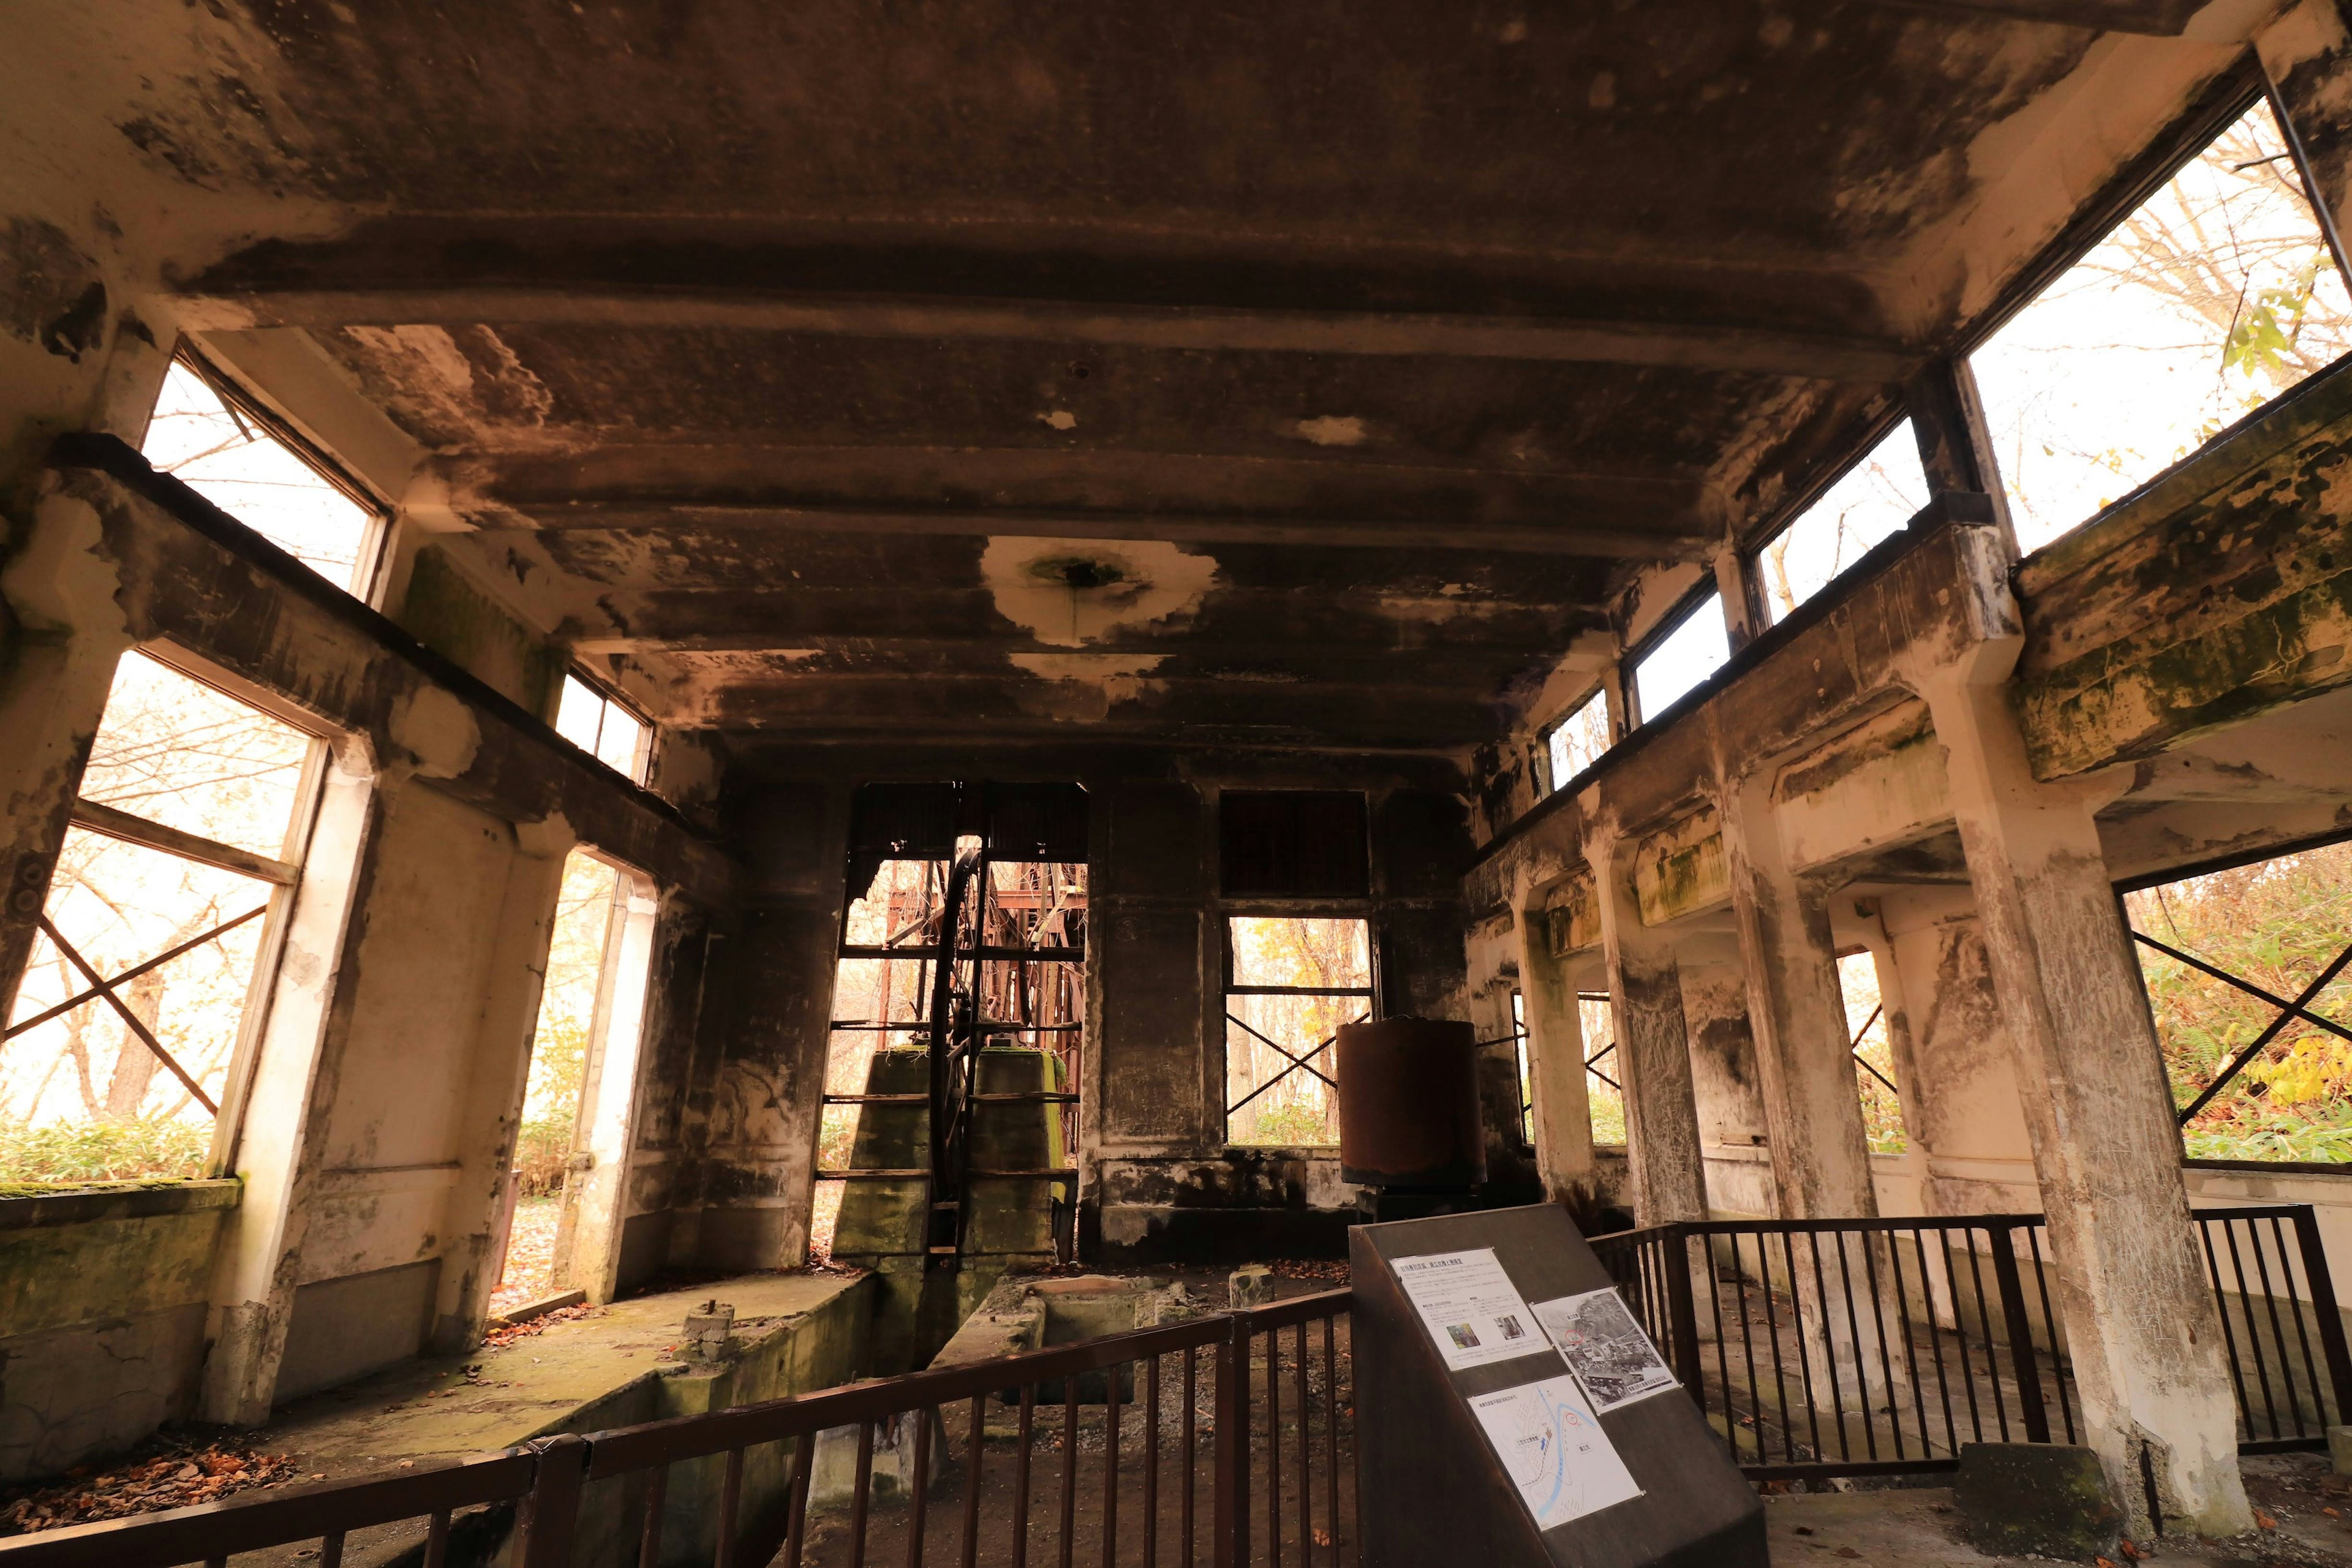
x=1527, y=1075
x=576, y=1098
x=1603, y=1077
x=1577, y=742
x=117, y=1053
x=978, y=955
x=2217, y=294
x=228, y=456
x=1868, y=1037
x=1697, y=647
x=604, y=729
x=1291, y=984
x=2249, y=977
x=1872, y=501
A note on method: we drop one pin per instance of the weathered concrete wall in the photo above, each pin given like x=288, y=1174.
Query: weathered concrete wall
x=102, y=1298
x=1159, y=1179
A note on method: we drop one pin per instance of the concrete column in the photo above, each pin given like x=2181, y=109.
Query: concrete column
x=1563, y=1110
x=61, y=631
x=2141, y=1322
x=1724, y=1081
x=282, y=1126
x=500, y=1071
x=1645, y=993
x=1821, y=1157
x=1960, y=1101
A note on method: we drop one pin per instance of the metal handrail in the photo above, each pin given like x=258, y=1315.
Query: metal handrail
x=544, y=1477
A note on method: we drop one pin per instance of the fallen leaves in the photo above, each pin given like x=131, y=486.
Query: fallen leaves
x=503, y=1334
x=178, y=1477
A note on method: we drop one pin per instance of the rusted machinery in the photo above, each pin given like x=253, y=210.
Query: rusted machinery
x=1409, y=1126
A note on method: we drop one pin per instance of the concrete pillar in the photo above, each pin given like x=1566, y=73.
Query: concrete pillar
x=61, y=632
x=279, y=1154
x=500, y=1070
x=1724, y=1083
x=1563, y=1110
x=1821, y=1157
x=1960, y=1102
x=2140, y=1319
x=1669, y=1179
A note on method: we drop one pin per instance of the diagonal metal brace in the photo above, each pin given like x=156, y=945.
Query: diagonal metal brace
x=130, y=1020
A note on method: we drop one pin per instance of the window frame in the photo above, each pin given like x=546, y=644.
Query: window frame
x=284, y=874
x=1598, y=693
x=369, y=571
x=607, y=697
x=1228, y=912
x=1628, y=664
x=1781, y=518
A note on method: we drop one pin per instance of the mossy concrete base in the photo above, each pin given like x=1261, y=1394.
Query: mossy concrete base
x=794, y=1333
x=2046, y=1498
x=102, y=1296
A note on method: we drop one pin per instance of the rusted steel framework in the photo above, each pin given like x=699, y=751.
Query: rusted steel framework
x=1262, y=1472
x=999, y=946
x=1879, y=1346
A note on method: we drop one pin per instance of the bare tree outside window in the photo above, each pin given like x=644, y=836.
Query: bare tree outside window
x=1872, y=501
x=1577, y=742
x=2214, y=297
x=1293, y=983
x=256, y=479
x=559, y=1066
x=120, y=1044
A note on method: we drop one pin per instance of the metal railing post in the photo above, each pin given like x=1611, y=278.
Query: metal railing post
x=1231, y=1529
x=2323, y=1307
x=2020, y=1327
x=552, y=1513
x=1682, y=1310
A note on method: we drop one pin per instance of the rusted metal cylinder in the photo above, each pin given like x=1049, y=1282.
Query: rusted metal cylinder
x=1408, y=1104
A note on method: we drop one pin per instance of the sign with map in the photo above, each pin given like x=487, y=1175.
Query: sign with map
x=1551, y=1443
x=1606, y=1347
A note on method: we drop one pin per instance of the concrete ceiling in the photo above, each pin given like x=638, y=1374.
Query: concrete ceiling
x=1309, y=375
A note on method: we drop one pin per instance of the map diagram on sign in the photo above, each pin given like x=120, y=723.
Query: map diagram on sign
x=1551, y=1443
x=1606, y=1349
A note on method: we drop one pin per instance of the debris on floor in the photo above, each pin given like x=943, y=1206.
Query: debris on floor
x=171, y=1475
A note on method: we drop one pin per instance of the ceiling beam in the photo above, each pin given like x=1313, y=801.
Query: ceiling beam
x=2157, y=18
x=1762, y=350
x=1561, y=538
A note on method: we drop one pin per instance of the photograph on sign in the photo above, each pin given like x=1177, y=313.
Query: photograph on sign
x=1606, y=1347
x=1551, y=1443
x=1475, y=1314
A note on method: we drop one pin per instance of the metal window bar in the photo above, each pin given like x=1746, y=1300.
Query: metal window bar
x=2299, y=1007
x=1297, y=1063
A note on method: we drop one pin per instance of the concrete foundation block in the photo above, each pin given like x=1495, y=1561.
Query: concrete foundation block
x=1252, y=1285
x=833, y=1479
x=2339, y=1449
x=2046, y=1498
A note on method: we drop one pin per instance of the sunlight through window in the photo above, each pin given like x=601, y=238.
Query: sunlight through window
x=1690, y=653
x=2216, y=296
x=258, y=479
x=1874, y=501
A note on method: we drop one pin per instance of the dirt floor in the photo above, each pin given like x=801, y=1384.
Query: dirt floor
x=2305, y=1514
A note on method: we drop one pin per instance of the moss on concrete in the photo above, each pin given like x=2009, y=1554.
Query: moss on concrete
x=450, y=616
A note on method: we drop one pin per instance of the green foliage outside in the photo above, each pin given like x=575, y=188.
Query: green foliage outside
x=73, y=1152
x=2276, y=923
